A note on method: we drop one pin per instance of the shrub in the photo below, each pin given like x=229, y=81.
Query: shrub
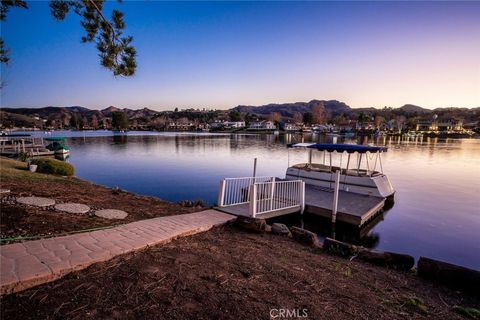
x=53, y=166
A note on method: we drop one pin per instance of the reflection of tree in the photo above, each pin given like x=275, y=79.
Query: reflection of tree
x=120, y=139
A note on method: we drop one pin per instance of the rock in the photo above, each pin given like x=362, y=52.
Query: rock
x=251, y=224
x=72, y=207
x=4, y=191
x=281, y=229
x=305, y=237
x=339, y=248
x=393, y=260
x=111, y=214
x=451, y=275
x=268, y=228
x=36, y=201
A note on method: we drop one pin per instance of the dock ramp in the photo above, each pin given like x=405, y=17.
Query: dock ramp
x=261, y=197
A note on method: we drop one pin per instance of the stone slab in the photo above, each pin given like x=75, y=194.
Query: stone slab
x=111, y=214
x=36, y=201
x=71, y=207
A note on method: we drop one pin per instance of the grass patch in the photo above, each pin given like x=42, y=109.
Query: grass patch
x=13, y=170
x=53, y=166
x=470, y=313
x=416, y=304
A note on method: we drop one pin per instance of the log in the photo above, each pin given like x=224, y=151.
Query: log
x=305, y=237
x=281, y=230
x=339, y=248
x=251, y=224
x=451, y=275
x=398, y=261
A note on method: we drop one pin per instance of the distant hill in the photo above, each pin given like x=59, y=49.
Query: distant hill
x=78, y=116
x=333, y=108
x=410, y=108
x=29, y=117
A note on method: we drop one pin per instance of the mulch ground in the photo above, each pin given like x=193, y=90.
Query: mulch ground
x=229, y=274
x=18, y=220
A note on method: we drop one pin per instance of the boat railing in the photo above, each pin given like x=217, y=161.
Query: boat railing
x=235, y=191
x=276, y=195
x=259, y=195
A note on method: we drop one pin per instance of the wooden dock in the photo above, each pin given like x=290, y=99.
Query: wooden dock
x=272, y=197
x=353, y=208
x=244, y=210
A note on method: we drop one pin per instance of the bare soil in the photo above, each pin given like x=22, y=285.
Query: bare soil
x=229, y=274
x=19, y=220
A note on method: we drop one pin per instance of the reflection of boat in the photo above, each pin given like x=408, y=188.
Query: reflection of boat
x=57, y=145
x=361, y=180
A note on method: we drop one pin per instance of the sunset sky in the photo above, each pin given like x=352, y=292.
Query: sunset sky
x=222, y=54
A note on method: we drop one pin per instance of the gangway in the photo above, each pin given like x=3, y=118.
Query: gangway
x=261, y=197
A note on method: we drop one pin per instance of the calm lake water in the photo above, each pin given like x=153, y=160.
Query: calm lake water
x=437, y=181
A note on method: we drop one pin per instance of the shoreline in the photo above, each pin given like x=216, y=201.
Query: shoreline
x=26, y=221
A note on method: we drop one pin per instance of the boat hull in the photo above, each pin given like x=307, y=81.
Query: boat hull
x=377, y=185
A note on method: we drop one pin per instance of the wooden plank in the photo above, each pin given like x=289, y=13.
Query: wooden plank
x=353, y=208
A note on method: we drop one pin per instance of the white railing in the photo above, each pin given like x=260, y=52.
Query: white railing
x=277, y=195
x=234, y=191
x=262, y=194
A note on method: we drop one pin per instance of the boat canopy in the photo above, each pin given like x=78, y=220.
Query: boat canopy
x=350, y=148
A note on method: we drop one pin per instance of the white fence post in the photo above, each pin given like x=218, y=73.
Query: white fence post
x=335, y=196
x=221, y=194
x=253, y=200
x=302, y=196
x=272, y=193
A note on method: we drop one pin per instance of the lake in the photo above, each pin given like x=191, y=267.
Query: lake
x=437, y=181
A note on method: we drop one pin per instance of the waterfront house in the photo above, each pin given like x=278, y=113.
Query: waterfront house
x=261, y=125
x=290, y=127
x=443, y=125
x=234, y=124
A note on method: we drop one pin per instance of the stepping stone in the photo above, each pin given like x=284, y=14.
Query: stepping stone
x=36, y=201
x=111, y=214
x=72, y=207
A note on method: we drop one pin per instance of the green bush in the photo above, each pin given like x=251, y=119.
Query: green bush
x=53, y=166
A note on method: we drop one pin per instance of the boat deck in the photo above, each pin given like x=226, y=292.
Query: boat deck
x=353, y=208
x=244, y=210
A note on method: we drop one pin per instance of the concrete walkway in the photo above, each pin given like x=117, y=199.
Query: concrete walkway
x=27, y=264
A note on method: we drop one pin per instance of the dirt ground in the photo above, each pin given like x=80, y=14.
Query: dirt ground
x=18, y=220
x=229, y=274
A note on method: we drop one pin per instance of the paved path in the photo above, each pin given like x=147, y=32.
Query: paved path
x=27, y=264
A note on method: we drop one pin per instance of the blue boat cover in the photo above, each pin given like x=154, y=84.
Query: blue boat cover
x=350, y=148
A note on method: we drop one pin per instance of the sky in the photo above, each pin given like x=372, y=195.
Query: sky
x=222, y=54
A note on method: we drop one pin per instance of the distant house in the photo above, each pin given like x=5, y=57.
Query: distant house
x=181, y=126
x=366, y=125
x=234, y=124
x=289, y=127
x=262, y=125
x=450, y=125
x=346, y=125
x=440, y=125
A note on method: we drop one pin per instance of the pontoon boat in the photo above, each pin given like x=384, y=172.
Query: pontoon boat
x=354, y=177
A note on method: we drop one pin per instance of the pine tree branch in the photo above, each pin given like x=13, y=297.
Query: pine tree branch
x=100, y=13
